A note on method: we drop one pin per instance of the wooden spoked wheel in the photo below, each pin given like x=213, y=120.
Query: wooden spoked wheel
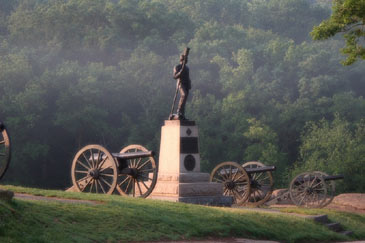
x=94, y=170
x=137, y=177
x=234, y=179
x=5, y=150
x=261, y=185
x=308, y=190
x=331, y=189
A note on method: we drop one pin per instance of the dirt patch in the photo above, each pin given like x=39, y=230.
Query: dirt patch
x=54, y=199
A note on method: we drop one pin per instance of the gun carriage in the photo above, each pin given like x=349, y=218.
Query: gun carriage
x=130, y=172
x=252, y=184
x=313, y=189
x=5, y=149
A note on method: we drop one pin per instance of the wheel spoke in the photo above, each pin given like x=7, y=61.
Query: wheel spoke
x=102, y=162
x=144, y=164
x=124, y=181
x=315, y=177
x=242, y=175
x=234, y=176
x=265, y=178
x=257, y=176
x=225, y=175
x=104, y=174
x=226, y=191
x=224, y=179
x=129, y=182
x=84, y=178
x=101, y=186
x=82, y=171
x=139, y=161
x=319, y=183
x=91, y=186
x=134, y=188
x=101, y=170
x=243, y=183
x=87, y=160
x=101, y=178
x=301, y=200
x=235, y=192
x=145, y=185
x=92, y=158
x=97, y=161
x=139, y=188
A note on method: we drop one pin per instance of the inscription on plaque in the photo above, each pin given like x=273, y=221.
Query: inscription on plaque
x=189, y=145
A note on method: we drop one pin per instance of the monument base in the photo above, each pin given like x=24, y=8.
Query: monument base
x=192, y=188
x=179, y=177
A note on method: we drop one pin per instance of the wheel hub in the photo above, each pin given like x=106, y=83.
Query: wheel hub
x=309, y=190
x=255, y=184
x=230, y=185
x=94, y=173
x=134, y=173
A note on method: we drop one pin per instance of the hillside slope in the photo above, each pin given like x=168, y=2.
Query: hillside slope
x=114, y=218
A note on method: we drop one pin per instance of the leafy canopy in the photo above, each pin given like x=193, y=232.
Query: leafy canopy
x=348, y=16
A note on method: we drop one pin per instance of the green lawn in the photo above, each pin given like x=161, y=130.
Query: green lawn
x=124, y=219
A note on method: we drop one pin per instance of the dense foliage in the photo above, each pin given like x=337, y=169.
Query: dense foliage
x=75, y=72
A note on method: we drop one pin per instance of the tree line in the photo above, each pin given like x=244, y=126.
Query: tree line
x=75, y=72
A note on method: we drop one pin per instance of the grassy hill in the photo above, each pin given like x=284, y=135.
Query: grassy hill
x=115, y=218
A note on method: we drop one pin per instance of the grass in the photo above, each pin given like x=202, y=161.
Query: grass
x=351, y=221
x=123, y=219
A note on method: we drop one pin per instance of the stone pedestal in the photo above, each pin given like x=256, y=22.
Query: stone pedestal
x=179, y=177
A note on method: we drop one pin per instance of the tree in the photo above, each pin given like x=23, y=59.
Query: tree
x=348, y=16
x=335, y=147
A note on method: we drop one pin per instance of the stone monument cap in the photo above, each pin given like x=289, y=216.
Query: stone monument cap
x=179, y=123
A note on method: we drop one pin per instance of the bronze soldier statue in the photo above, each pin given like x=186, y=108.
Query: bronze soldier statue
x=183, y=85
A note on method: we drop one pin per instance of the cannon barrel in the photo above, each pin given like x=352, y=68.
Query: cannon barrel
x=325, y=178
x=334, y=177
x=260, y=169
x=125, y=156
x=134, y=155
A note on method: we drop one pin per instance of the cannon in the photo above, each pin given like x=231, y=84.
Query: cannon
x=131, y=172
x=250, y=184
x=5, y=149
x=314, y=189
